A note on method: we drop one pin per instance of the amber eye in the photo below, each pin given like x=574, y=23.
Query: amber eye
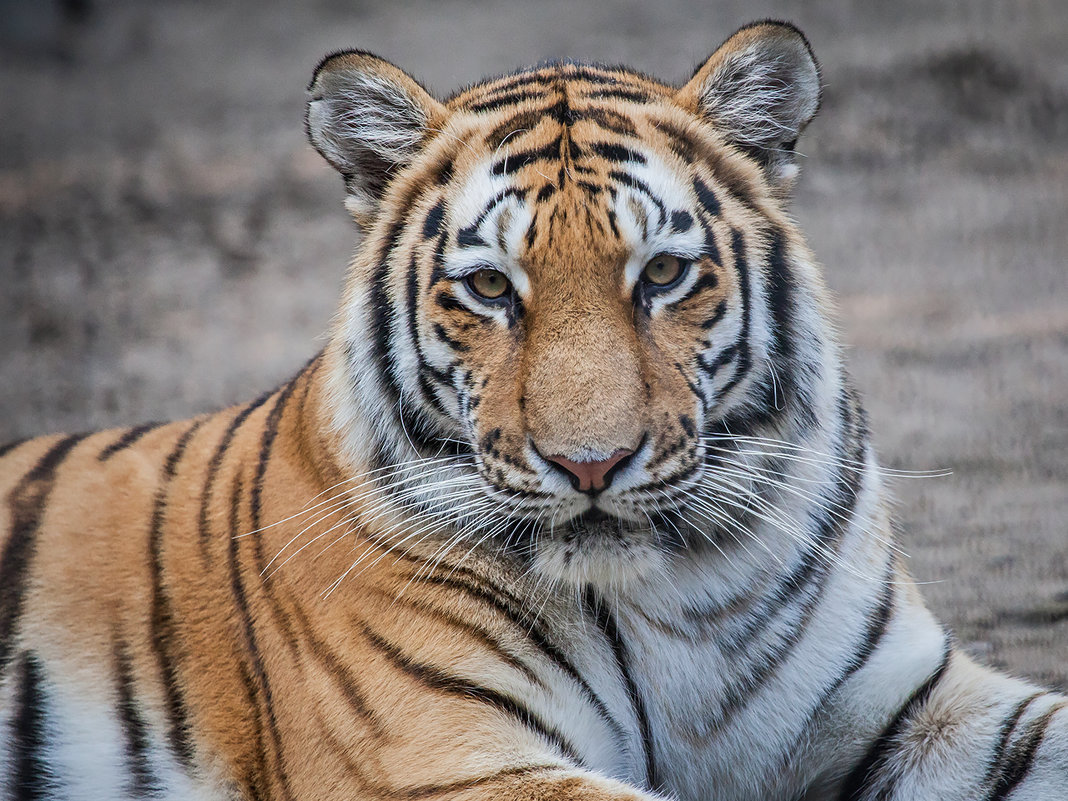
x=489, y=284
x=664, y=270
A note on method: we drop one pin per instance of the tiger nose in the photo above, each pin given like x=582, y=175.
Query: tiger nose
x=593, y=476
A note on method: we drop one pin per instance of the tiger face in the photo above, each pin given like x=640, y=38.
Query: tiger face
x=565, y=284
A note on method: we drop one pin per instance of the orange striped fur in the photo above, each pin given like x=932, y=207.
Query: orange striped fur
x=578, y=502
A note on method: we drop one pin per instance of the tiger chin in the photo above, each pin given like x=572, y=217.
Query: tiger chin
x=578, y=502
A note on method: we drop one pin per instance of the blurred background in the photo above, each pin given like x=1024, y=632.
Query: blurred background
x=170, y=244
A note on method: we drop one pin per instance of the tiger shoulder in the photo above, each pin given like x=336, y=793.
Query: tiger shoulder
x=577, y=502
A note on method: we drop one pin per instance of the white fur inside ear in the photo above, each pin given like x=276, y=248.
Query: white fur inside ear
x=760, y=90
x=357, y=114
x=753, y=97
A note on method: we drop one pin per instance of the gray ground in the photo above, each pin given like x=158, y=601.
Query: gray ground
x=169, y=243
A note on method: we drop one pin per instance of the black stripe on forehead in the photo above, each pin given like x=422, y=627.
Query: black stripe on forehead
x=435, y=220
x=526, y=120
x=516, y=125
x=681, y=221
x=709, y=211
x=469, y=235
x=690, y=150
x=548, y=73
x=609, y=120
x=507, y=99
x=610, y=151
x=639, y=185
x=621, y=93
x=512, y=163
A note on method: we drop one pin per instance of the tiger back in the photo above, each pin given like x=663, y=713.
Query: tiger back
x=578, y=501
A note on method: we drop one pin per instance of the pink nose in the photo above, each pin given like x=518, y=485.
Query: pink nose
x=591, y=476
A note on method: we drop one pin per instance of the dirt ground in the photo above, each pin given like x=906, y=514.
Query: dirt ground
x=170, y=244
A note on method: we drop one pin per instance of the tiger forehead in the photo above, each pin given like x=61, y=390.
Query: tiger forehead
x=576, y=80
x=567, y=181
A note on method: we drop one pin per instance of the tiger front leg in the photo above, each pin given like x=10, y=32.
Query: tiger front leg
x=968, y=733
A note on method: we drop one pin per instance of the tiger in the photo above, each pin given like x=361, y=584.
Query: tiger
x=578, y=502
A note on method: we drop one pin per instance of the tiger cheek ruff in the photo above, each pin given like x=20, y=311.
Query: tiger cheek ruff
x=577, y=503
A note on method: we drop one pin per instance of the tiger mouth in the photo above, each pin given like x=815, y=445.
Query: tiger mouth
x=596, y=525
x=595, y=522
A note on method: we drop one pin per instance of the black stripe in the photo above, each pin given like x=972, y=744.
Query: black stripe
x=548, y=75
x=621, y=94
x=866, y=773
x=742, y=269
x=203, y=525
x=251, y=648
x=31, y=777
x=128, y=438
x=369, y=787
x=6, y=448
x=443, y=336
x=142, y=779
x=1016, y=764
x=681, y=221
x=874, y=629
x=425, y=791
x=449, y=302
x=707, y=198
x=679, y=141
x=609, y=120
x=506, y=99
x=515, y=127
x=270, y=433
x=27, y=502
x=438, y=679
x=494, y=202
x=717, y=315
x=511, y=83
x=510, y=164
x=342, y=674
x=469, y=237
x=613, y=152
x=412, y=421
x=427, y=373
x=710, y=366
x=256, y=776
x=800, y=591
x=726, y=173
x=435, y=220
x=803, y=587
x=161, y=626
x=781, y=292
x=639, y=185
x=995, y=772
x=707, y=280
x=511, y=608
x=711, y=211
x=606, y=622
x=471, y=632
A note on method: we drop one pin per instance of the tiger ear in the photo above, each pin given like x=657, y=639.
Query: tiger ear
x=760, y=89
x=368, y=118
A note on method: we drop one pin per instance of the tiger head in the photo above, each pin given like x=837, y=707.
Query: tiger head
x=570, y=278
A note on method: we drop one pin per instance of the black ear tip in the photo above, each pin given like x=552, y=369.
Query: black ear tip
x=326, y=60
x=787, y=28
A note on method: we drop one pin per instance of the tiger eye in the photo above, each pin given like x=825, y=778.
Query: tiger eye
x=489, y=284
x=663, y=270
